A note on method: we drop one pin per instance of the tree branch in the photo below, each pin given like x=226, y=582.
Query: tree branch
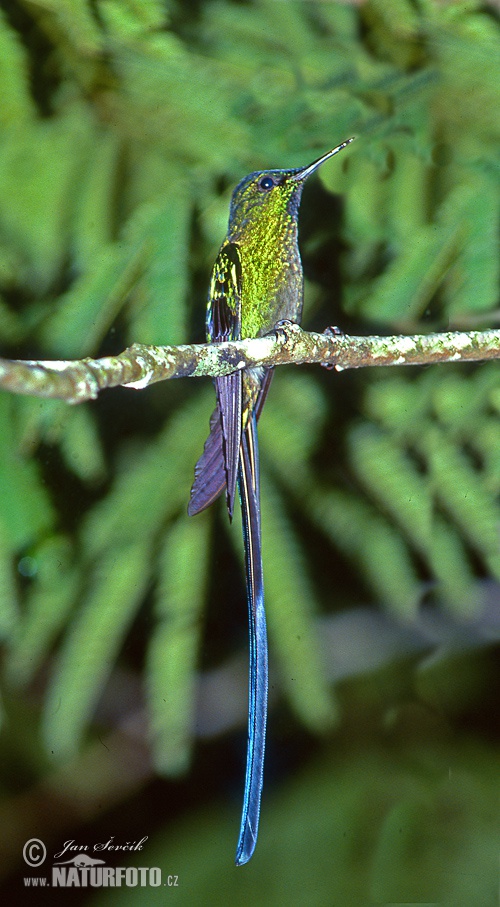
x=78, y=380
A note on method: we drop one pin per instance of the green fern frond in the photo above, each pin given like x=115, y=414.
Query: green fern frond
x=295, y=413
x=55, y=586
x=173, y=651
x=77, y=324
x=94, y=218
x=9, y=599
x=133, y=18
x=16, y=103
x=373, y=544
x=26, y=509
x=152, y=483
x=44, y=160
x=73, y=29
x=393, y=479
x=88, y=653
x=290, y=609
x=158, y=310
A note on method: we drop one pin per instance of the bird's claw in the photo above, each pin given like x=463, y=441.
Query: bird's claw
x=285, y=329
x=332, y=331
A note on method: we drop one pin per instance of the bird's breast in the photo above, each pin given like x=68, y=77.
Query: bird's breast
x=271, y=284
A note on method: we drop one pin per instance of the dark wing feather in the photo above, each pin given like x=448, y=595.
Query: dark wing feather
x=223, y=323
x=210, y=471
x=228, y=391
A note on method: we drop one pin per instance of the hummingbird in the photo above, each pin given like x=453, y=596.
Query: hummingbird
x=257, y=281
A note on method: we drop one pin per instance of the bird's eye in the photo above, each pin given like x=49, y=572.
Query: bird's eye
x=266, y=183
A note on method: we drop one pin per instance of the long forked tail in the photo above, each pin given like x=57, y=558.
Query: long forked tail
x=248, y=480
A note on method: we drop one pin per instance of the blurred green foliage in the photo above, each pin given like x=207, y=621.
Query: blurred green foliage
x=124, y=125
x=374, y=830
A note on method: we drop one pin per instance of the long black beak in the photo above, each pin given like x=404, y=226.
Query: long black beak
x=306, y=171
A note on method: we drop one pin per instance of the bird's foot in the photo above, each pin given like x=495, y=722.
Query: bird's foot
x=332, y=331
x=284, y=330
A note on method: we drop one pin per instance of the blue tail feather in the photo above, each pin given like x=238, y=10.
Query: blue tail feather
x=248, y=483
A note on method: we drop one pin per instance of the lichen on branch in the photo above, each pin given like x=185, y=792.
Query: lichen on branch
x=76, y=381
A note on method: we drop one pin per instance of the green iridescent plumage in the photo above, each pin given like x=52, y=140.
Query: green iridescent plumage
x=264, y=226
x=256, y=282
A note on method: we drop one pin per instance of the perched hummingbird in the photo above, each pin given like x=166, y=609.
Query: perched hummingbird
x=256, y=282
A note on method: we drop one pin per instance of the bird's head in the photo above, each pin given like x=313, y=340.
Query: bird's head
x=271, y=194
